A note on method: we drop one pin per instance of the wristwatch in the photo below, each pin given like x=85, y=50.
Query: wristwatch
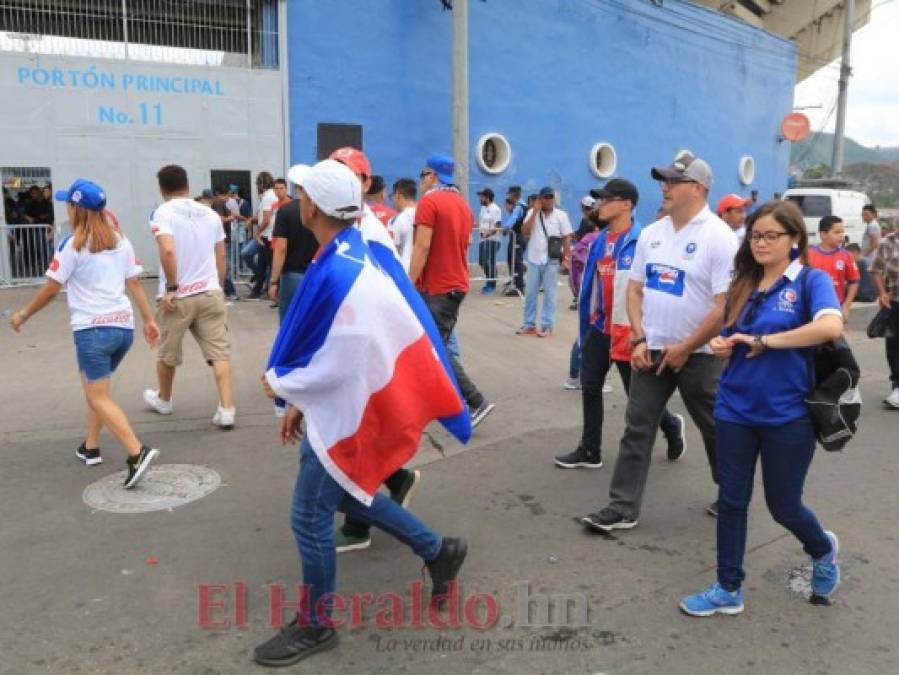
x=760, y=341
x=171, y=288
x=637, y=341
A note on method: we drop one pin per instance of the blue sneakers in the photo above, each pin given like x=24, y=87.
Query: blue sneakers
x=826, y=570
x=713, y=600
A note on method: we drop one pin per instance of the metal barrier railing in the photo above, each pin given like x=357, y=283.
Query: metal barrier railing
x=25, y=253
x=500, y=258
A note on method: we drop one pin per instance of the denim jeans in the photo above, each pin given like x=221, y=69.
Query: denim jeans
x=892, y=346
x=595, y=365
x=452, y=345
x=248, y=254
x=547, y=276
x=290, y=282
x=487, y=260
x=697, y=383
x=316, y=498
x=229, y=265
x=786, y=453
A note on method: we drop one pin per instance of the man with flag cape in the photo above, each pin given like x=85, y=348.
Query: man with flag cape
x=359, y=358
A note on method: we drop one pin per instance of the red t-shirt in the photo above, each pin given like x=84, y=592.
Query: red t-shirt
x=839, y=265
x=382, y=212
x=450, y=220
x=605, y=271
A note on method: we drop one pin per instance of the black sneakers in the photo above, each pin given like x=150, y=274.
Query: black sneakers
x=403, y=494
x=138, y=465
x=445, y=567
x=89, y=457
x=579, y=459
x=293, y=644
x=607, y=520
x=677, y=440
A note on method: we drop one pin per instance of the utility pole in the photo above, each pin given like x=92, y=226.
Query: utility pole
x=836, y=163
x=460, y=94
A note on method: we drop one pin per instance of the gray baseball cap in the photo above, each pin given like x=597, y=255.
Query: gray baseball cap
x=685, y=167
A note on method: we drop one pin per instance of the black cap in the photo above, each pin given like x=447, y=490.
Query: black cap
x=547, y=191
x=487, y=192
x=513, y=188
x=207, y=194
x=617, y=188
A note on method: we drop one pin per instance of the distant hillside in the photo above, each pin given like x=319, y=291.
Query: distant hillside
x=818, y=148
x=878, y=180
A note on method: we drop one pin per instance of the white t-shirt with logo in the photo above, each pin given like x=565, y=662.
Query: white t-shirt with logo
x=489, y=218
x=267, y=203
x=402, y=228
x=95, y=283
x=682, y=272
x=556, y=224
x=196, y=229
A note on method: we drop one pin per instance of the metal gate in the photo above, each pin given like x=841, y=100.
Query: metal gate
x=25, y=253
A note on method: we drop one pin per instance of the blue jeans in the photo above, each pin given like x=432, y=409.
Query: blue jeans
x=452, y=345
x=546, y=276
x=316, y=498
x=100, y=350
x=290, y=281
x=249, y=252
x=574, y=361
x=786, y=453
x=487, y=260
x=229, y=282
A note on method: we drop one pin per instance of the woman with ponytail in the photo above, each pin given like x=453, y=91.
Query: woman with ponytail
x=778, y=310
x=96, y=263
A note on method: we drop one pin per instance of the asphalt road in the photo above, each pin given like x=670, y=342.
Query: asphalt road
x=89, y=591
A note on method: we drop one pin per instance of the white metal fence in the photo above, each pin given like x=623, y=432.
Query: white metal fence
x=195, y=32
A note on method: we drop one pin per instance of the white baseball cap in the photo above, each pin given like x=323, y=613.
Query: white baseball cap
x=588, y=202
x=331, y=186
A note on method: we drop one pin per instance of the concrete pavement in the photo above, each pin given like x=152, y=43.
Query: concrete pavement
x=99, y=592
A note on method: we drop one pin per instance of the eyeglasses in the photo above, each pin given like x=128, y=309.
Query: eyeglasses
x=769, y=237
x=425, y=173
x=606, y=200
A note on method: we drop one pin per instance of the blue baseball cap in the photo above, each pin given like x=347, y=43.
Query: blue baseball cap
x=84, y=193
x=443, y=166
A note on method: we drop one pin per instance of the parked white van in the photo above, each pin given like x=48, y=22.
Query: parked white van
x=817, y=202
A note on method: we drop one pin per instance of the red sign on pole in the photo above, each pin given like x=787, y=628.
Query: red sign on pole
x=796, y=127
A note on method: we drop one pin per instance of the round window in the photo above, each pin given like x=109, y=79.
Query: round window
x=747, y=170
x=494, y=153
x=603, y=160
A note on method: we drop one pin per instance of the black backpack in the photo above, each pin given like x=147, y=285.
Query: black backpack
x=835, y=403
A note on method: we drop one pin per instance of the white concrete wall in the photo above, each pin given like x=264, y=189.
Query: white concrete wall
x=55, y=113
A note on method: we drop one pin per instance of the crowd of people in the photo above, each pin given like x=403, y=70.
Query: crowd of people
x=704, y=302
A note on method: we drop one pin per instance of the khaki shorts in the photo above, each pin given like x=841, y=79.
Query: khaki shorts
x=203, y=315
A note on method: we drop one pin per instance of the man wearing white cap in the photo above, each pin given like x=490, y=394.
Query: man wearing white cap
x=325, y=375
x=680, y=273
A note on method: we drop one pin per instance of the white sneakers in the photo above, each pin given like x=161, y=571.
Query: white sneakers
x=224, y=418
x=151, y=398
x=893, y=399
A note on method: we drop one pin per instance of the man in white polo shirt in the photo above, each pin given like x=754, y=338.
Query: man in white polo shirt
x=679, y=277
x=191, y=246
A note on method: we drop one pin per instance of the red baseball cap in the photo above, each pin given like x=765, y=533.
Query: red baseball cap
x=354, y=159
x=732, y=201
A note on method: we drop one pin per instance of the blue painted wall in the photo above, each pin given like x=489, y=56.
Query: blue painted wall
x=553, y=76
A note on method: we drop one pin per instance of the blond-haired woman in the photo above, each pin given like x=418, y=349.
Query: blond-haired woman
x=96, y=263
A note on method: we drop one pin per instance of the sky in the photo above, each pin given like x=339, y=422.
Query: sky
x=872, y=117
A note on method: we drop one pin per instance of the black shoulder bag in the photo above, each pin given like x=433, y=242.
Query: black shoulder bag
x=553, y=244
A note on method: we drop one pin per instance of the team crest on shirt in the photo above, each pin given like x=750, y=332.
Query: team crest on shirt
x=690, y=250
x=626, y=262
x=655, y=244
x=840, y=265
x=786, y=301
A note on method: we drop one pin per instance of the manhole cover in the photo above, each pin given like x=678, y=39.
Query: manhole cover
x=164, y=487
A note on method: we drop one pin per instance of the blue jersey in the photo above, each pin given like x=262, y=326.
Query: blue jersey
x=770, y=389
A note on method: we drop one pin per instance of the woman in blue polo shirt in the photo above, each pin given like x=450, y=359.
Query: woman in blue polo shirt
x=777, y=309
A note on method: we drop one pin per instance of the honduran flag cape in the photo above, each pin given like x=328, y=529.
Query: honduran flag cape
x=360, y=355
